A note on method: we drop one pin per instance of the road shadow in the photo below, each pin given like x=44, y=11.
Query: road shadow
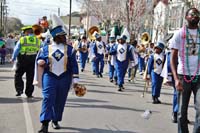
x=107, y=92
x=5, y=70
x=149, y=91
x=6, y=77
x=84, y=100
x=111, y=107
x=98, y=85
x=7, y=100
x=94, y=130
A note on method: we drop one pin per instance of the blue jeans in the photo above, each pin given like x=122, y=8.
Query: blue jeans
x=183, y=101
x=175, y=99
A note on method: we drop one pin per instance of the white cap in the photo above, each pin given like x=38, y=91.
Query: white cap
x=112, y=33
x=57, y=21
x=126, y=33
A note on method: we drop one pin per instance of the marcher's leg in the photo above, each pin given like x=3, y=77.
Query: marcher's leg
x=81, y=61
x=196, y=91
x=61, y=97
x=97, y=61
x=93, y=67
x=183, y=105
x=175, y=106
x=29, y=80
x=129, y=74
x=19, y=83
x=101, y=66
x=49, y=86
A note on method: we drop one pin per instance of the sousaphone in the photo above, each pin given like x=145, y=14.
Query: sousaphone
x=145, y=38
x=91, y=32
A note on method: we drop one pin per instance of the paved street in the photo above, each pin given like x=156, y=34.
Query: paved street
x=102, y=110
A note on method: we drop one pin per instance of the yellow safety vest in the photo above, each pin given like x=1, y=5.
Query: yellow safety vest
x=30, y=45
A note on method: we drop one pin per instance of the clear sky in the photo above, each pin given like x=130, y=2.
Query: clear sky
x=29, y=11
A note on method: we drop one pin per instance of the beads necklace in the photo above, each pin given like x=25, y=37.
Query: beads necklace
x=194, y=77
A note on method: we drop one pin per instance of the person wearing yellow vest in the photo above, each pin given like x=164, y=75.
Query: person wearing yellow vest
x=25, y=52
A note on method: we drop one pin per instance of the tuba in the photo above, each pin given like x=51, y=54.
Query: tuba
x=145, y=38
x=37, y=30
x=91, y=31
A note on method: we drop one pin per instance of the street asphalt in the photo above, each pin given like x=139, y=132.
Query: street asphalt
x=102, y=110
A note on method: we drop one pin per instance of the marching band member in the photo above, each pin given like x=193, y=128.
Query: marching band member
x=98, y=53
x=133, y=68
x=91, y=57
x=141, y=58
x=123, y=55
x=83, y=52
x=60, y=70
x=112, y=60
x=155, y=65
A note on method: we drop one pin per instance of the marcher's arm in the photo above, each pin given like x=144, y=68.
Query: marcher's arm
x=174, y=62
x=16, y=51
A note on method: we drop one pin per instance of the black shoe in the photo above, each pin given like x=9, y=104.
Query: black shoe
x=156, y=100
x=18, y=94
x=111, y=80
x=93, y=73
x=55, y=125
x=30, y=96
x=44, y=129
x=174, y=117
x=159, y=102
x=120, y=88
x=100, y=75
x=123, y=87
x=188, y=121
x=82, y=70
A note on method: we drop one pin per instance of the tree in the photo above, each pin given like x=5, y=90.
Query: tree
x=131, y=13
x=14, y=25
x=107, y=11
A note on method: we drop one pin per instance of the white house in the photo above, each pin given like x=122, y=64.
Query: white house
x=160, y=22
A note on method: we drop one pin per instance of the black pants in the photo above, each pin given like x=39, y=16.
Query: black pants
x=25, y=64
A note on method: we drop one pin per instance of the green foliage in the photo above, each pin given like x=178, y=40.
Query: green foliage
x=14, y=25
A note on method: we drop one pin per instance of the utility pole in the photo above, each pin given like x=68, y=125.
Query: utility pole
x=59, y=11
x=1, y=22
x=87, y=28
x=5, y=20
x=70, y=15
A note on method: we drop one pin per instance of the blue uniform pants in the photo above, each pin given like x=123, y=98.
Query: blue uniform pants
x=156, y=84
x=141, y=64
x=112, y=71
x=83, y=59
x=175, y=100
x=121, y=72
x=99, y=62
x=55, y=91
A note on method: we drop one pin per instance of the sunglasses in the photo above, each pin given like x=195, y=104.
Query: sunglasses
x=194, y=14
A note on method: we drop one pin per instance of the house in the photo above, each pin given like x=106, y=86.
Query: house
x=169, y=17
x=160, y=21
